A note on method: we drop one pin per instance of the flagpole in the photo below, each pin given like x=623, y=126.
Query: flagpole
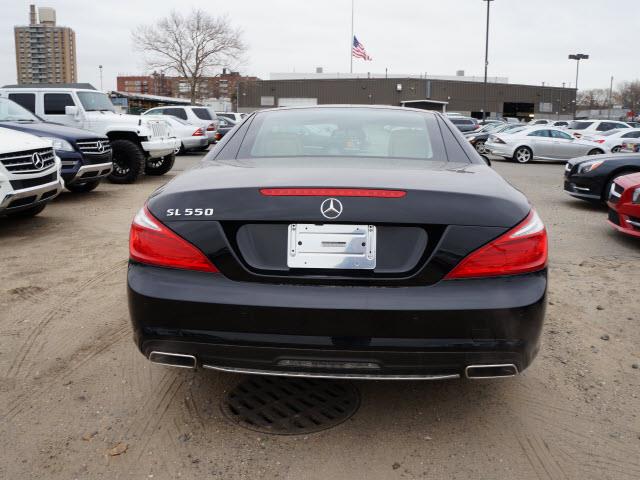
x=351, y=41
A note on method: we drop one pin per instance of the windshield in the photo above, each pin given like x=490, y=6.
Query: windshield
x=343, y=132
x=95, y=102
x=10, y=111
x=202, y=113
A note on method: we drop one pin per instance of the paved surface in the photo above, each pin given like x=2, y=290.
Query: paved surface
x=73, y=386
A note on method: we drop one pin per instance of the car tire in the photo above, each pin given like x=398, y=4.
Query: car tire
x=160, y=166
x=480, y=148
x=616, y=149
x=523, y=155
x=595, y=151
x=83, y=187
x=28, y=213
x=179, y=150
x=128, y=161
x=607, y=187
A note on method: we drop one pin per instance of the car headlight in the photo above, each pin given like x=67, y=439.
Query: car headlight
x=635, y=198
x=587, y=167
x=60, y=144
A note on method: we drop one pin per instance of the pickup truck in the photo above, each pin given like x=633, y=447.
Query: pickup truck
x=139, y=144
x=85, y=156
x=29, y=174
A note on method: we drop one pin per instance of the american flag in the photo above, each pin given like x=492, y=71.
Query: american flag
x=358, y=50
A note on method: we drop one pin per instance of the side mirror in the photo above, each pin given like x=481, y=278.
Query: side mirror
x=71, y=110
x=486, y=160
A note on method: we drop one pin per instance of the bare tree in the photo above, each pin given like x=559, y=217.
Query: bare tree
x=192, y=46
x=628, y=95
x=593, y=98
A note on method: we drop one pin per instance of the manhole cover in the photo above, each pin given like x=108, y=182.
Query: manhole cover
x=290, y=406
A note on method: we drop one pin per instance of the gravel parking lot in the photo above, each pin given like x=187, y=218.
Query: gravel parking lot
x=77, y=400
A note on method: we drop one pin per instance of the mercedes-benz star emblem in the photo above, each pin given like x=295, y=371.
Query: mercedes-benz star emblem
x=37, y=161
x=331, y=208
x=100, y=147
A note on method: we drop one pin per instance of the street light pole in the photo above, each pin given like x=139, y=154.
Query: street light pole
x=577, y=57
x=486, y=63
x=610, y=98
x=100, y=67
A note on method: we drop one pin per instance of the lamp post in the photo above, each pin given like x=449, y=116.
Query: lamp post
x=577, y=57
x=486, y=62
x=100, y=67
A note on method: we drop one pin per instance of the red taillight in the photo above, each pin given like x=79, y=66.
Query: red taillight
x=153, y=243
x=599, y=141
x=211, y=127
x=218, y=136
x=198, y=133
x=522, y=249
x=332, y=192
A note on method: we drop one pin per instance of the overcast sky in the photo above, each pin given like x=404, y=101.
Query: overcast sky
x=529, y=39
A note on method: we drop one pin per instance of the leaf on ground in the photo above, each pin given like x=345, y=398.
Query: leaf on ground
x=118, y=449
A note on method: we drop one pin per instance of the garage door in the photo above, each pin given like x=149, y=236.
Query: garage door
x=297, y=102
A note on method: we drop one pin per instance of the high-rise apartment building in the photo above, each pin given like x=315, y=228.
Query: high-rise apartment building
x=45, y=52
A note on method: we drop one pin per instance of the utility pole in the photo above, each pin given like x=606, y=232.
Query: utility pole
x=486, y=63
x=100, y=67
x=577, y=57
x=610, y=98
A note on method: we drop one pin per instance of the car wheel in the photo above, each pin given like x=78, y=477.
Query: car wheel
x=522, y=155
x=128, y=161
x=480, y=148
x=160, y=166
x=179, y=150
x=83, y=187
x=615, y=149
x=595, y=151
x=29, y=212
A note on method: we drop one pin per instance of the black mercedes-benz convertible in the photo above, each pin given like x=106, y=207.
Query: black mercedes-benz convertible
x=340, y=242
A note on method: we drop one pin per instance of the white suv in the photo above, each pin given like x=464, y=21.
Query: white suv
x=139, y=145
x=578, y=128
x=29, y=173
x=202, y=117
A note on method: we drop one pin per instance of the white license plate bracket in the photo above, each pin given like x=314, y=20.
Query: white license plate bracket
x=331, y=246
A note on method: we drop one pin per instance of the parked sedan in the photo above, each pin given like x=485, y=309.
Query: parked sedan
x=364, y=255
x=578, y=128
x=540, y=143
x=192, y=137
x=479, y=139
x=590, y=178
x=624, y=204
x=464, y=124
x=225, y=125
x=615, y=140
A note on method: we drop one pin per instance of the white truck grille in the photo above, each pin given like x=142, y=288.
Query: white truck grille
x=159, y=128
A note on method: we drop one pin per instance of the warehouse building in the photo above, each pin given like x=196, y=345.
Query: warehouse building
x=457, y=94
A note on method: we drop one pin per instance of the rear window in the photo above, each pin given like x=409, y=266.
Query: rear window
x=25, y=100
x=579, y=125
x=344, y=133
x=175, y=112
x=202, y=113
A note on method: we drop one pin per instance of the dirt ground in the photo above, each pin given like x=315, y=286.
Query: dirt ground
x=73, y=386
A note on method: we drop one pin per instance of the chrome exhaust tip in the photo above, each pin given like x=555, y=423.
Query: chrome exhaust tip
x=491, y=371
x=173, y=359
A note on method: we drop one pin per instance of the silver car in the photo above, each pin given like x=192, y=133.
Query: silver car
x=540, y=143
x=612, y=140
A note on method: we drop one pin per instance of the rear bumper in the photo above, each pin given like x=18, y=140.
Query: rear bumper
x=160, y=148
x=195, y=142
x=375, y=331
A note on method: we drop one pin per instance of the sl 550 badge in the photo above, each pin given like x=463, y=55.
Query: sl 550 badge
x=189, y=212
